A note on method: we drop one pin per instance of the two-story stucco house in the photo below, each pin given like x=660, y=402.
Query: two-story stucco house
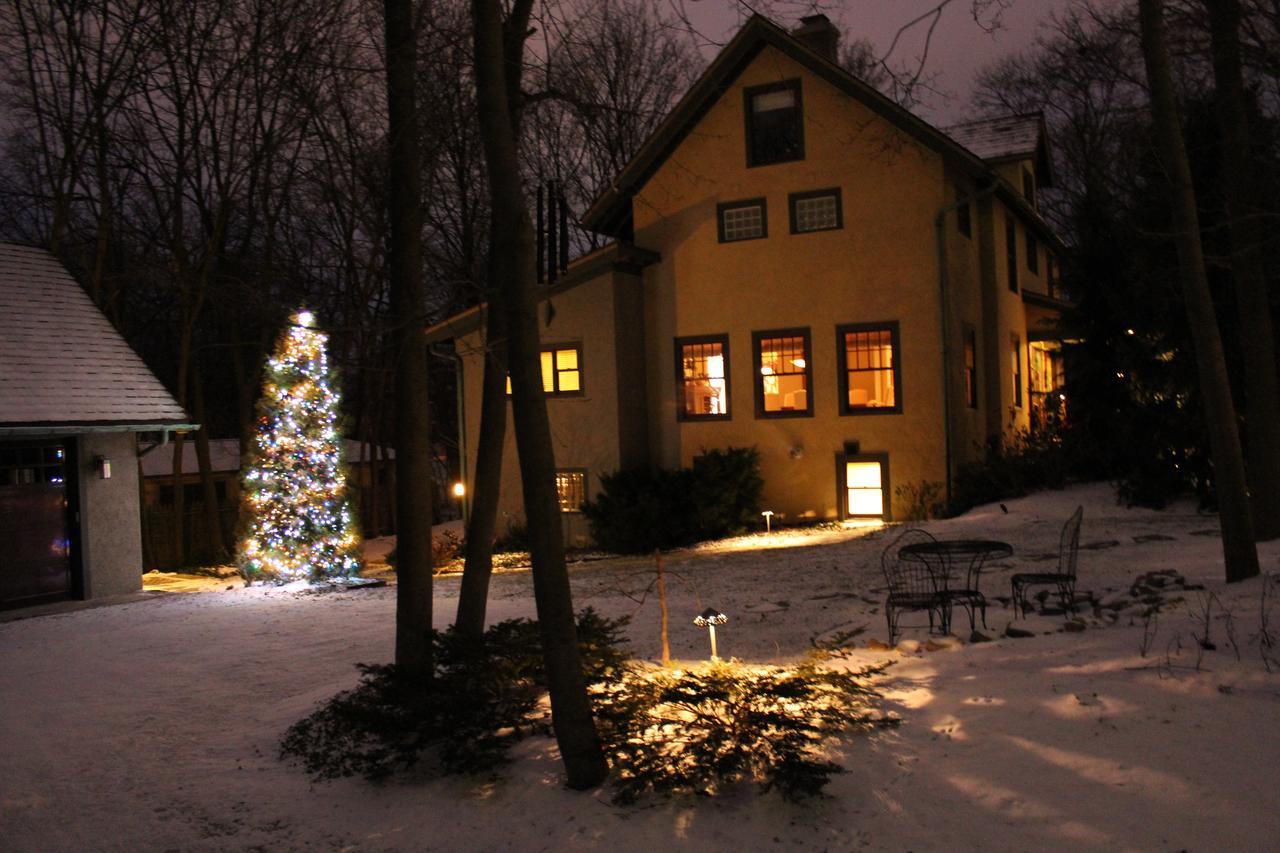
x=801, y=266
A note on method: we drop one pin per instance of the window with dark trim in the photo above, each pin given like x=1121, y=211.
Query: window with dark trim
x=702, y=378
x=963, y=223
x=862, y=481
x=783, y=364
x=1011, y=251
x=742, y=220
x=1015, y=352
x=970, y=368
x=571, y=488
x=1029, y=187
x=870, y=368
x=775, y=123
x=561, y=370
x=1033, y=253
x=819, y=210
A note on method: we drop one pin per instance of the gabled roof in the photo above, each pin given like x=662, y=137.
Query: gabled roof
x=610, y=214
x=62, y=363
x=1006, y=138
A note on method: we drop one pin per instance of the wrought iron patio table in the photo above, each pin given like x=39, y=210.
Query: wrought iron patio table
x=949, y=561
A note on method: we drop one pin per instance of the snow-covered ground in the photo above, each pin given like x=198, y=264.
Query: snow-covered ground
x=154, y=725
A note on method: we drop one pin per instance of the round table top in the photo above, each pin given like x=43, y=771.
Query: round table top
x=951, y=548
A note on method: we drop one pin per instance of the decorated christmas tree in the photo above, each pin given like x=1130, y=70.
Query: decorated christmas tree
x=299, y=524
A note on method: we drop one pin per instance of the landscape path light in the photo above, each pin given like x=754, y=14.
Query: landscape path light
x=768, y=519
x=711, y=618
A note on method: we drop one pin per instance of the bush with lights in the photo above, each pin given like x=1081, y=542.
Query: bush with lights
x=299, y=524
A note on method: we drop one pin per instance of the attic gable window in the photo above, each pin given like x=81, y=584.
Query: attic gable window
x=816, y=211
x=742, y=220
x=775, y=123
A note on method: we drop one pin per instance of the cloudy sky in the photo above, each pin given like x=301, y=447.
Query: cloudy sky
x=959, y=49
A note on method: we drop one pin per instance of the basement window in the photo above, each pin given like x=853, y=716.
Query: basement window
x=571, y=488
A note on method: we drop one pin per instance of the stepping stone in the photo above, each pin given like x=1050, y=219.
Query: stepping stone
x=1017, y=633
x=1101, y=545
x=1153, y=537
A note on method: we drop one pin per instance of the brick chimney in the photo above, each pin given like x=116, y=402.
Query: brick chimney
x=817, y=33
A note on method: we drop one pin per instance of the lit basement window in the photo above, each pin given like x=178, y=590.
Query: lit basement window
x=864, y=489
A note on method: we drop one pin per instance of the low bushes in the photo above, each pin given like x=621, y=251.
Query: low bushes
x=640, y=510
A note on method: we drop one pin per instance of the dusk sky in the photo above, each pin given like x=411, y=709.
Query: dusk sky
x=959, y=50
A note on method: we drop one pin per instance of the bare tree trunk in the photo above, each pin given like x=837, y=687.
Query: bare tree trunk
x=499, y=53
x=412, y=417
x=662, y=608
x=214, y=543
x=473, y=595
x=1248, y=236
x=1239, y=551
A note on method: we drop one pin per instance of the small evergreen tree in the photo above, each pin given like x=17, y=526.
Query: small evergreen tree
x=295, y=491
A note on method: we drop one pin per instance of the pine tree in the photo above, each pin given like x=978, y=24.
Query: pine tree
x=295, y=492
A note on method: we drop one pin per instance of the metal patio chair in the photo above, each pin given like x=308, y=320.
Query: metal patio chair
x=912, y=584
x=1064, y=578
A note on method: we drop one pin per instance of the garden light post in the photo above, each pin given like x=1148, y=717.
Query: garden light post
x=768, y=519
x=711, y=618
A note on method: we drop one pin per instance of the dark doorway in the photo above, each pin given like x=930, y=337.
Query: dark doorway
x=37, y=528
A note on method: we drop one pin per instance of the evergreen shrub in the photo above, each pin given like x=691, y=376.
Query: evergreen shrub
x=639, y=510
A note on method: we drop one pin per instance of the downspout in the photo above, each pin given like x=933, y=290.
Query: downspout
x=940, y=238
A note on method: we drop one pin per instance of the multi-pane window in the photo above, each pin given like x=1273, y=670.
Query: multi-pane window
x=1011, y=251
x=963, y=223
x=1033, y=253
x=702, y=378
x=571, y=489
x=970, y=368
x=816, y=211
x=784, y=373
x=864, y=487
x=561, y=370
x=869, y=368
x=1015, y=352
x=743, y=220
x=32, y=464
x=775, y=124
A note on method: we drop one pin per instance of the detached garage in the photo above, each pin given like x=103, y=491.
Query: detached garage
x=73, y=397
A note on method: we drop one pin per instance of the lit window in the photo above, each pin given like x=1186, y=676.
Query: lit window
x=702, y=374
x=815, y=211
x=561, y=371
x=863, y=488
x=775, y=124
x=971, y=368
x=571, y=489
x=1015, y=352
x=743, y=220
x=869, y=363
x=784, y=373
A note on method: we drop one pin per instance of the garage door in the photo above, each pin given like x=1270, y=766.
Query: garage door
x=35, y=528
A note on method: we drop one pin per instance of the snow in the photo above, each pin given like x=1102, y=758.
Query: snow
x=154, y=724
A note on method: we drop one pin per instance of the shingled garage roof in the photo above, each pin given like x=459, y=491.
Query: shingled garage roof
x=62, y=363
